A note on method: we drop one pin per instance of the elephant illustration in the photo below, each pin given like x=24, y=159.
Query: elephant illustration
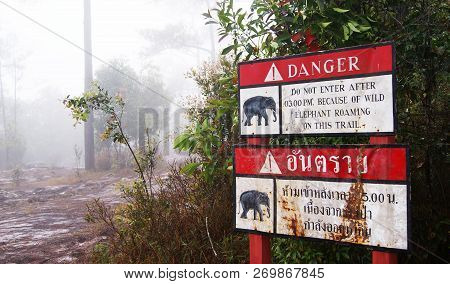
x=257, y=106
x=253, y=199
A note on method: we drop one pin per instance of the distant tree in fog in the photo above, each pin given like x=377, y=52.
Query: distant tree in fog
x=136, y=94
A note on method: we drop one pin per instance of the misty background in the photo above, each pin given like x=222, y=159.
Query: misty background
x=149, y=47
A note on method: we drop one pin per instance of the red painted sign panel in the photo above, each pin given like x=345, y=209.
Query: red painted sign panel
x=320, y=65
x=345, y=162
x=355, y=194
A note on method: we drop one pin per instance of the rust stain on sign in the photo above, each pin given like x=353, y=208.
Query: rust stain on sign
x=293, y=219
x=354, y=225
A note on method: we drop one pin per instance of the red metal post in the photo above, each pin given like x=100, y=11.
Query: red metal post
x=380, y=257
x=259, y=244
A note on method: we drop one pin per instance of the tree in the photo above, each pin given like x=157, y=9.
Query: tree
x=89, y=152
x=135, y=94
x=277, y=28
x=3, y=107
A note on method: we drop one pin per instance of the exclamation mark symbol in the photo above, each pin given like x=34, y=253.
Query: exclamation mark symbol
x=270, y=162
x=273, y=74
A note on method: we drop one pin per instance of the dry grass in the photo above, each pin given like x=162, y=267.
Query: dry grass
x=170, y=227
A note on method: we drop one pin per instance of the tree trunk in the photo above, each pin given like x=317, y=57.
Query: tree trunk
x=2, y=101
x=89, y=154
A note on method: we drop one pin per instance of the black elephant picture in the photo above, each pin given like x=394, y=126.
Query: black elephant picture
x=258, y=106
x=252, y=200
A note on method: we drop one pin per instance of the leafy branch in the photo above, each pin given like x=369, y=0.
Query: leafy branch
x=98, y=99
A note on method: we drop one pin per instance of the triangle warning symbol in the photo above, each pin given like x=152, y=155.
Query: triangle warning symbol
x=270, y=165
x=273, y=75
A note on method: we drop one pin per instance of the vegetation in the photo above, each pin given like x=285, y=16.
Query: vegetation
x=179, y=218
x=189, y=217
x=420, y=32
x=134, y=94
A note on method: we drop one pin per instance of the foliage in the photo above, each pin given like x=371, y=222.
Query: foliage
x=17, y=175
x=213, y=129
x=302, y=251
x=275, y=28
x=135, y=94
x=112, y=107
x=12, y=142
x=12, y=149
x=176, y=219
x=170, y=226
x=176, y=225
x=420, y=32
x=78, y=154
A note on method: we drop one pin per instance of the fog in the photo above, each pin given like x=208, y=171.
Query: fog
x=144, y=47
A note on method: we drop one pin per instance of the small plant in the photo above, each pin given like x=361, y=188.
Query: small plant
x=178, y=218
x=112, y=107
x=78, y=152
x=17, y=176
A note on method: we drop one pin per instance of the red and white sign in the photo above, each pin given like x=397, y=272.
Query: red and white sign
x=335, y=162
x=346, y=91
x=317, y=65
x=348, y=193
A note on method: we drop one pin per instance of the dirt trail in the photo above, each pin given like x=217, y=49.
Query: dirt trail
x=42, y=218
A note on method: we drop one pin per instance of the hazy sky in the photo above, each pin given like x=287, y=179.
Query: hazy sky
x=116, y=33
x=52, y=65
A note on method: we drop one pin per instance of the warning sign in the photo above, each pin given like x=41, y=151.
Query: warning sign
x=270, y=165
x=356, y=194
x=273, y=75
x=345, y=91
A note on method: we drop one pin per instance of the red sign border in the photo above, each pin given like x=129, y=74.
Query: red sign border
x=378, y=248
x=280, y=84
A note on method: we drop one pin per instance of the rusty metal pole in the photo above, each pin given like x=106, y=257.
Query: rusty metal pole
x=259, y=245
x=380, y=257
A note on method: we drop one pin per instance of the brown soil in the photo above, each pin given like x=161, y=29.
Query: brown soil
x=42, y=216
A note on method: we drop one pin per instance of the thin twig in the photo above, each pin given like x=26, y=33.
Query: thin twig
x=209, y=237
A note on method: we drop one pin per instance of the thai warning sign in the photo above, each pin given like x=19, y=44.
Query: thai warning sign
x=356, y=194
x=344, y=91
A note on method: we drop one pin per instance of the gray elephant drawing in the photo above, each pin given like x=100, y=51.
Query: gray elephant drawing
x=252, y=200
x=257, y=106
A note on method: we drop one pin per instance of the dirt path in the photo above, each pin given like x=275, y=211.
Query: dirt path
x=42, y=218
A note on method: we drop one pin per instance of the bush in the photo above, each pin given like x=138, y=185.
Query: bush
x=184, y=221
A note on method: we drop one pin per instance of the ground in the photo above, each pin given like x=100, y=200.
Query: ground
x=42, y=212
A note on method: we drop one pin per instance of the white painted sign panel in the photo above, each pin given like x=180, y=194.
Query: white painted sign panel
x=345, y=106
x=335, y=211
x=342, y=92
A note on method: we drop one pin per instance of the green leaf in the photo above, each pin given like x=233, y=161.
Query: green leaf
x=180, y=141
x=324, y=24
x=222, y=37
x=190, y=168
x=364, y=28
x=339, y=10
x=283, y=36
x=226, y=50
x=274, y=44
x=346, y=32
x=352, y=27
x=240, y=18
